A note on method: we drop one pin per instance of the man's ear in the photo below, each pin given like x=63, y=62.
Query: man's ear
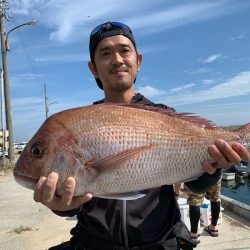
x=139, y=60
x=93, y=69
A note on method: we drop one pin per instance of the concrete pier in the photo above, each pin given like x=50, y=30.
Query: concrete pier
x=27, y=225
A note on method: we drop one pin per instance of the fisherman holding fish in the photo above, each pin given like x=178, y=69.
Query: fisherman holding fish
x=113, y=165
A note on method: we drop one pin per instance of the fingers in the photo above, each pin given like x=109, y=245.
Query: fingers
x=38, y=192
x=68, y=201
x=209, y=167
x=45, y=189
x=68, y=191
x=77, y=201
x=224, y=155
x=242, y=151
x=45, y=192
x=49, y=188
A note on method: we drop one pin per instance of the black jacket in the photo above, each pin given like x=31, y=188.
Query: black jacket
x=152, y=219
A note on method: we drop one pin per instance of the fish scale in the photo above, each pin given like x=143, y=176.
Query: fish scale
x=113, y=149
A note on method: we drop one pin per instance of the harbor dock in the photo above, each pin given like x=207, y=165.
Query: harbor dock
x=27, y=225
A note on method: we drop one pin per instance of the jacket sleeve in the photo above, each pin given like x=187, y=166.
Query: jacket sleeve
x=205, y=181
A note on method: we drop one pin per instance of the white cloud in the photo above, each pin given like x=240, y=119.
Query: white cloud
x=28, y=102
x=224, y=114
x=213, y=58
x=198, y=71
x=63, y=58
x=241, y=36
x=27, y=76
x=184, y=87
x=70, y=20
x=208, y=81
x=237, y=86
x=149, y=91
x=176, y=16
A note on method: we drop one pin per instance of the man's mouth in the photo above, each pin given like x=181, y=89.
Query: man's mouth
x=118, y=71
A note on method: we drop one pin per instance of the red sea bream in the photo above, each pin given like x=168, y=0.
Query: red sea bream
x=113, y=149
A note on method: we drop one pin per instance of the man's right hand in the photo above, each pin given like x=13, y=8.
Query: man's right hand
x=45, y=193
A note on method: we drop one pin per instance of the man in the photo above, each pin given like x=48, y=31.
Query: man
x=151, y=222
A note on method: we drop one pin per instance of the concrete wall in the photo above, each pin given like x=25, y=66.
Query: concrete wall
x=236, y=207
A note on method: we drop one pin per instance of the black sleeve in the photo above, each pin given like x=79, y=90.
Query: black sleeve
x=204, y=182
x=69, y=213
x=140, y=99
x=163, y=106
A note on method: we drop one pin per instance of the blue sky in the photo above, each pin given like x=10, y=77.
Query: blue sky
x=196, y=56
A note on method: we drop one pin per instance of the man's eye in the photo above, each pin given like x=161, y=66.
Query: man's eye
x=105, y=53
x=126, y=51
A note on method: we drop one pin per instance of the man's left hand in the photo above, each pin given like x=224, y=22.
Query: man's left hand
x=224, y=155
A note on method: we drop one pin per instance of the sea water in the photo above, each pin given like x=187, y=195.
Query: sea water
x=238, y=189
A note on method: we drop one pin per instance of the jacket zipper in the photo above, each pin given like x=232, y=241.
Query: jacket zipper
x=124, y=222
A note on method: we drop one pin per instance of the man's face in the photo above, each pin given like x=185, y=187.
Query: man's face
x=116, y=63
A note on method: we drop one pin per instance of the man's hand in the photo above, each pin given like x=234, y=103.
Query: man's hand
x=224, y=155
x=45, y=193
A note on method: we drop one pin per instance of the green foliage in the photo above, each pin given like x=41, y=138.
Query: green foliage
x=21, y=229
x=6, y=167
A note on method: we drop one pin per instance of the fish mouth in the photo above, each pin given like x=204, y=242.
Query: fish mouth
x=24, y=180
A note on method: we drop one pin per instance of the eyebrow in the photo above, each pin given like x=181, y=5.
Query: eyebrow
x=122, y=45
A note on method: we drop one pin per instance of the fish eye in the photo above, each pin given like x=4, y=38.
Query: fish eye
x=36, y=151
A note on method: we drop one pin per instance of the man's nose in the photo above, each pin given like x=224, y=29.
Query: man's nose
x=117, y=58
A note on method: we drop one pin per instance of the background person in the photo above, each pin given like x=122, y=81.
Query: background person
x=195, y=201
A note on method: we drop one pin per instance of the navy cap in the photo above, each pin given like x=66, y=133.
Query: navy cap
x=106, y=30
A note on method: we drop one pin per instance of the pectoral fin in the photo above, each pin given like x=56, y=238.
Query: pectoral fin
x=95, y=168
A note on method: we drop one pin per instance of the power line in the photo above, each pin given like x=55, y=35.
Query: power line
x=28, y=57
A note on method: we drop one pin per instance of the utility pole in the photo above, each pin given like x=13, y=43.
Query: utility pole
x=46, y=102
x=3, y=7
x=2, y=119
x=4, y=49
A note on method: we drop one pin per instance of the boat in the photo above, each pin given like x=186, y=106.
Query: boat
x=228, y=176
x=239, y=171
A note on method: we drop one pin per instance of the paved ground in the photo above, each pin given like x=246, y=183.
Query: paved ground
x=42, y=229
x=18, y=210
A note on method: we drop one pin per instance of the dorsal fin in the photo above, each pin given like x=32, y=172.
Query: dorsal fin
x=245, y=127
x=190, y=117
